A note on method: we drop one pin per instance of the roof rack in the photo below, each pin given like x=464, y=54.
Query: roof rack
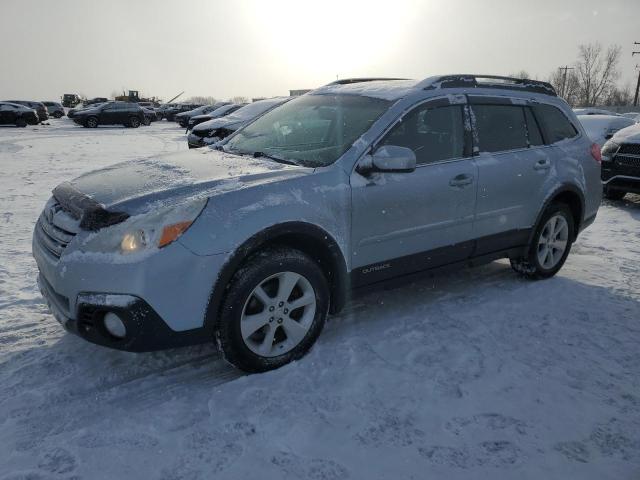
x=487, y=81
x=346, y=81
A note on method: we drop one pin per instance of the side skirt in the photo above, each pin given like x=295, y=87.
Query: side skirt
x=472, y=253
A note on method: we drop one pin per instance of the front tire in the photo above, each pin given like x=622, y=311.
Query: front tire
x=134, y=122
x=550, y=244
x=273, y=311
x=21, y=122
x=57, y=114
x=92, y=122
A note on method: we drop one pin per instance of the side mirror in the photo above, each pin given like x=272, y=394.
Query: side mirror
x=393, y=159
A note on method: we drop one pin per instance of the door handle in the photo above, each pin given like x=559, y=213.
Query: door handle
x=542, y=165
x=461, y=180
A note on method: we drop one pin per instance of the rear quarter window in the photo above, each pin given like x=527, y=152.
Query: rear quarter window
x=555, y=124
x=500, y=127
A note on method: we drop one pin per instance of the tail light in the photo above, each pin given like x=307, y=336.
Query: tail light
x=595, y=153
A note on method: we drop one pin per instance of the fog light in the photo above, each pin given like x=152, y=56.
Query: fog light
x=114, y=325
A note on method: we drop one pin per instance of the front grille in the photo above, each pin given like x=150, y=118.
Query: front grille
x=628, y=162
x=630, y=148
x=55, y=229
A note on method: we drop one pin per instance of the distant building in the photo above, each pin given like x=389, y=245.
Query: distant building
x=297, y=93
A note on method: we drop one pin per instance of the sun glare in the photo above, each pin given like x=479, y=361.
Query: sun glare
x=336, y=38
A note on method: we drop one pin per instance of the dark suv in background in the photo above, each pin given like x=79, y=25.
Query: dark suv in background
x=39, y=107
x=111, y=113
x=621, y=163
x=18, y=115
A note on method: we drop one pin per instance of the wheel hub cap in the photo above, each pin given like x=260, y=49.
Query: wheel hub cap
x=278, y=314
x=553, y=241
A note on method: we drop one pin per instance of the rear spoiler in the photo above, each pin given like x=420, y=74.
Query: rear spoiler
x=92, y=215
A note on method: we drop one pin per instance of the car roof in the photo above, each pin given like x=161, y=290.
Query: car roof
x=394, y=88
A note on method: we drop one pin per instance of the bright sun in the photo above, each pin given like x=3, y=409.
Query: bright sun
x=334, y=38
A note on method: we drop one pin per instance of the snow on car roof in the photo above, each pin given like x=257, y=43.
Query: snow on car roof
x=383, y=89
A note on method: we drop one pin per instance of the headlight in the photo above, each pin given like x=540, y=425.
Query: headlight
x=145, y=232
x=609, y=150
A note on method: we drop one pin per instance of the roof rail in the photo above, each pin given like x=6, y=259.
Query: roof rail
x=487, y=81
x=346, y=81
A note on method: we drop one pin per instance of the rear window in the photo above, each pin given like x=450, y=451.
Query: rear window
x=555, y=124
x=500, y=127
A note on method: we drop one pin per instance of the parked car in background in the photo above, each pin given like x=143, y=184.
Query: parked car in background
x=170, y=113
x=111, y=113
x=635, y=116
x=94, y=101
x=601, y=128
x=213, y=131
x=150, y=115
x=72, y=112
x=594, y=111
x=182, y=118
x=255, y=242
x=162, y=109
x=54, y=109
x=217, y=113
x=39, y=107
x=150, y=105
x=18, y=115
x=621, y=163
x=70, y=100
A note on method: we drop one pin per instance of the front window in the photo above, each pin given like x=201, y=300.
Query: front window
x=313, y=130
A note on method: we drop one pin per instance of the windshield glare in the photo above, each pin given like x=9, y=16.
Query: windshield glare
x=313, y=130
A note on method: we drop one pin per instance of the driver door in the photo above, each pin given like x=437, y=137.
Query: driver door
x=406, y=222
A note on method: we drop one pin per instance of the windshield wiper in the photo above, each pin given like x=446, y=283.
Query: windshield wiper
x=274, y=158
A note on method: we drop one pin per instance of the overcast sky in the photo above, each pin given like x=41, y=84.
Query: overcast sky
x=264, y=48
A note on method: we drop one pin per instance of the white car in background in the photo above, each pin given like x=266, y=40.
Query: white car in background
x=635, y=116
x=601, y=128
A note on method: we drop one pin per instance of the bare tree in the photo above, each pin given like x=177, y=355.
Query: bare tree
x=596, y=71
x=567, y=87
x=619, y=96
x=522, y=74
x=239, y=99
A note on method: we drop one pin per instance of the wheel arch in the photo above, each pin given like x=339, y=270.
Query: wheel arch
x=571, y=196
x=306, y=237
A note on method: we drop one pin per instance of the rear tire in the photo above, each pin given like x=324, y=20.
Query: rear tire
x=614, y=194
x=550, y=244
x=21, y=122
x=92, y=122
x=274, y=310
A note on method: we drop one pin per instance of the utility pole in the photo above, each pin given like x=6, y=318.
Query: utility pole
x=635, y=100
x=564, y=79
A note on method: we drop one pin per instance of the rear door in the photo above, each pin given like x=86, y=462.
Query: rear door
x=406, y=222
x=513, y=166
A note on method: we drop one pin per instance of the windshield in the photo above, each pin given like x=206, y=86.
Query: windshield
x=312, y=130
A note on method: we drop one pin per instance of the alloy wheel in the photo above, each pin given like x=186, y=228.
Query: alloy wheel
x=278, y=314
x=553, y=241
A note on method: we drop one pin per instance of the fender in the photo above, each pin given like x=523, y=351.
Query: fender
x=288, y=233
x=563, y=188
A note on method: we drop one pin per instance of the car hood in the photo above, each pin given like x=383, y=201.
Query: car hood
x=136, y=187
x=229, y=122
x=628, y=135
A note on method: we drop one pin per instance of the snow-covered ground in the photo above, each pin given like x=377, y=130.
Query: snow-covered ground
x=471, y=375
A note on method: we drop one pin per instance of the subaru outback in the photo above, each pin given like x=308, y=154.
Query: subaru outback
x=254, y=242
